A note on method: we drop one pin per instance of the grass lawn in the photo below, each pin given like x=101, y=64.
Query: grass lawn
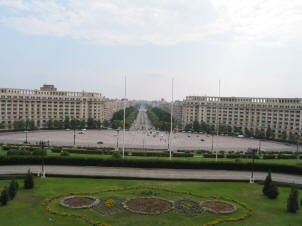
x=27, y=207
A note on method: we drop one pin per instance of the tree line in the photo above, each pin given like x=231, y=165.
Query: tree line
x=160, y=119
x=117, y=120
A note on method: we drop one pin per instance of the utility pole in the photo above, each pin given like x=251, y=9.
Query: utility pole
x=124, y=121
x=171, y=126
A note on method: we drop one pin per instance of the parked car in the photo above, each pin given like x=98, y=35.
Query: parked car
x=81, y=132
x=100, y=142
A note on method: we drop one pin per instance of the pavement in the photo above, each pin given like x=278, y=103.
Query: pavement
x=126, y=172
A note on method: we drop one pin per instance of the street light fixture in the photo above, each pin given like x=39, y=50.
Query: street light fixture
x=253, y=150
x=43, y=144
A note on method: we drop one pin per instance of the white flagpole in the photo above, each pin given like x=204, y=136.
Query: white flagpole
x=218, y=120
x=124, y=121
x=171, y=128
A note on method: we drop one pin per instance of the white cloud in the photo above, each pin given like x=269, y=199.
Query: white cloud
x=162, y=22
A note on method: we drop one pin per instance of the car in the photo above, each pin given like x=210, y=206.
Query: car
x=81, y=132
x=201, y=139
x=67, y=129
x=100, y=142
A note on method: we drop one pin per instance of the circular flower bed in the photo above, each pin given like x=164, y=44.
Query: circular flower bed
x=215, y=206
x=188, y=207
x=78, y=202
x=148, y=205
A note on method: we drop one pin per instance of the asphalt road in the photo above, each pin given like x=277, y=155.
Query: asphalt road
x=149, y=173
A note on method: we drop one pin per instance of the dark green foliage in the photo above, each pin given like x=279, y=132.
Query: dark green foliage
x=65, y=153
x=4, y=196
x=116, y=155
x=267, y=182
x=160, y=119
x=29, y=180
x=272, y=191
x=12, y=190
x=292, y=202
x=118, y=117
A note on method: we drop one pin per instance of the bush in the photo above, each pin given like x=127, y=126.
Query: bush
x=4, y=196
x=64, y=153
x=292, y=202
x=12, y=190
x=116, y=155
x=29, y=180
x=267, y=182
x=272, y=191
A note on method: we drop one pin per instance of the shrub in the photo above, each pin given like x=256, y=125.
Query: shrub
x=12, y=190
x=116, y=155
x=272, y=191
x=29, y=180
x=267, y=182
x=292, y=202
x=65, y=153
x=4, y=196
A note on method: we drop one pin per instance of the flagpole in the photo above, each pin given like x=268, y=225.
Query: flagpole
x=171, y=125
x=218, y=120
x=124, y=120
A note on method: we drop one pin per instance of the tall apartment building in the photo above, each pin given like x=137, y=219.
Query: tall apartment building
x=49, y=103
x=279, y=114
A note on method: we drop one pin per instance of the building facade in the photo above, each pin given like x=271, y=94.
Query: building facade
x=49, y=103
x=282, y=115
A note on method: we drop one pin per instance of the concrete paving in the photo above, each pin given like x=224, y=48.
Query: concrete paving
x=149, y=173
x=141, y=139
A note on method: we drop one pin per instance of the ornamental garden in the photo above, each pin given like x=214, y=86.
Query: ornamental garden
x=87, y=201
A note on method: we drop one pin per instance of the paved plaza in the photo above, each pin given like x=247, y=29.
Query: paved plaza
x=143, y=140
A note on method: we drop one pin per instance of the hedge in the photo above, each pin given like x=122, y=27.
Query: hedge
x=148, y=163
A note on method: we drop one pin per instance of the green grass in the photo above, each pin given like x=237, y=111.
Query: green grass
x=26, y=208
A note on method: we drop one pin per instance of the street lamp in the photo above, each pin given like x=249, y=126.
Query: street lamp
x=43, y=144
x=117, y=137
x=253, y=150
x=26, y=131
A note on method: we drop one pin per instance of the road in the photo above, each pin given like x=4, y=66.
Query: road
x=142, y=122
x=149, y=173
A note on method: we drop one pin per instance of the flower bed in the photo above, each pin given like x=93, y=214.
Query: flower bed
x=215, y=206
x=77, y=202
x=109, y=205
x=148, y=206
x=188, y=207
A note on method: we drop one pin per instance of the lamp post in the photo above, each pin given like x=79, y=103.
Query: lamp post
x=43, y=144
x=26, y=131
x=254, y=150
x=117, y=137
x=74, y=136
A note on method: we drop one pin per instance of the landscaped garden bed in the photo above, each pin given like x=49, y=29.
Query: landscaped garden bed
x=109, y=205
x=215, y=206
x=148, y=205
x=188, y=207
x=77, y=202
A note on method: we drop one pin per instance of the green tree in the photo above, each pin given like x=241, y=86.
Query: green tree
x=12, y=190
x=82, y=123
x=19, y=125
x=58, y=124
x=4, y=197
x=269, y=133
x=196, y=126
x=66, y=122
x=50, y=124
x=91, y=123
x=272, y=191
x=106, y=123
x=267, y=182
x=2, y=125
x=284, y=135
x=29, y=180
x=292, y=202
x=31, y=124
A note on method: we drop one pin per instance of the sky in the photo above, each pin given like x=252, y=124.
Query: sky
x=254, y=47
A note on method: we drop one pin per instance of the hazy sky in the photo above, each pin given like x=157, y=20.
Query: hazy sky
x=253, y=46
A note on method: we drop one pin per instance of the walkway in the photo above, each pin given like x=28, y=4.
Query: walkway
x=149, y=173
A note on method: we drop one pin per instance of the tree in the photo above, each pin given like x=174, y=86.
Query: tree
x=66, y=122
x=50, y=124
x=4, y=196
x=196, y=126
x=57, y=124
x=12, y=190
x=292, y=202
x=91, y=124
x=284, y=135
x=29, y=180
x=267, y=182
x=272, y=191
x=269, y=133
x=106, y=123
x=2, y=125
x=31, y=124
